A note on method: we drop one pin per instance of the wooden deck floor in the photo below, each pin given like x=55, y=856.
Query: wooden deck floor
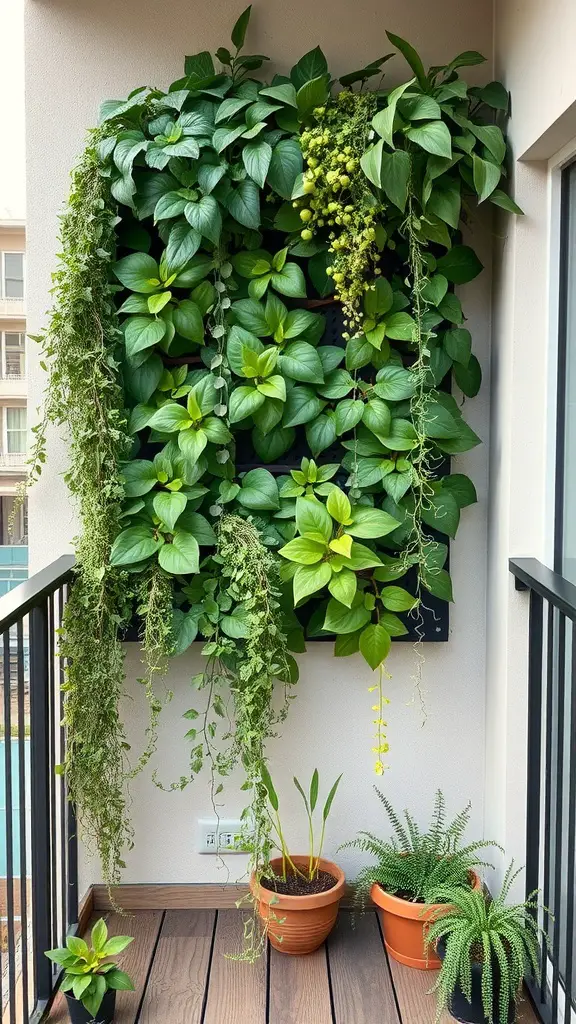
x=181, y=976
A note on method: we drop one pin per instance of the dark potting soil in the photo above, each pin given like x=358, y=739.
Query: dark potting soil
x=297, y=886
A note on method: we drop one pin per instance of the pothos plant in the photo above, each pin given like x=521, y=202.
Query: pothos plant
x=213, y=231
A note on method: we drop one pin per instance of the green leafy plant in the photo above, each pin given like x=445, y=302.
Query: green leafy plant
x=502, y=938
x=208, y=228
x=89, y=971
x=414, y=864
x=310, y=801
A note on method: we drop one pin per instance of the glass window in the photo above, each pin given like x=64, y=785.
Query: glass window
x=13, y=356
x=13, y=521
x=14, y=275
x=15, y=430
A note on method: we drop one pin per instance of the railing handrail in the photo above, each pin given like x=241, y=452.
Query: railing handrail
x=31, y=592
x=531, y=574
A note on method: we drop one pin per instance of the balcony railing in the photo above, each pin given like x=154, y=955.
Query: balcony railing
x=38, y=848
x=12, y=460
x=12, y=307
x=551, y=779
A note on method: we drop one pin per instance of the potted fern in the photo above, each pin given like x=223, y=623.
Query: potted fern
x=487, y=946
x=410, y=867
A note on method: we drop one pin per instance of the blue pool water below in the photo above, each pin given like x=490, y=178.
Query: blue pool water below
x=16, y=801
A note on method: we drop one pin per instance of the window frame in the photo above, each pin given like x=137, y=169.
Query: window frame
x=566, y=194
x=14, y=430
x=3, y=254
x=22, y=349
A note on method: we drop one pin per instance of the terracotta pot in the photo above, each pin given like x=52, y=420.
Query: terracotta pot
x=305, y=921
x=403, y=924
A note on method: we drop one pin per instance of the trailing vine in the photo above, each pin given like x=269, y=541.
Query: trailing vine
x=214, y=234
x=85, y=395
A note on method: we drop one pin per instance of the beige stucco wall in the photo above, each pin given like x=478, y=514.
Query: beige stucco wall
x=81, y=51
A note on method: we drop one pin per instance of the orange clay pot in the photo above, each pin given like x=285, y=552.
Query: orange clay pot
x=403, y=924
x=305, y=921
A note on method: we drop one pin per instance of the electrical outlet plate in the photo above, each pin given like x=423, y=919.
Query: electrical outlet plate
x=219, y=836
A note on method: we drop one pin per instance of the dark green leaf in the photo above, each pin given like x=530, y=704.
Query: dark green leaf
x=409, y=53
x=183, y=244
x=500, y=199
x=461, y=487
x=340, y=619
x=321, y=433
x=205, y=217
x=434, y=137
x=395, y=175
x=256, y=157
x=138, y=272
x=134, y=545
x=238, y=34
x=468, y=378
x=300, y=361
x=244, y=204
x=285, y=166
x=443, y=513
x=259, y=491
x=312, y=65
x=460, y=264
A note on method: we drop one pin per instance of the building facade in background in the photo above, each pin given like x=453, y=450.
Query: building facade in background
x=13, y=514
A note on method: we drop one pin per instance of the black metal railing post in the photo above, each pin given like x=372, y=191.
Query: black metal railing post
x=551, y=780
x=534, y=746
x=40, y=800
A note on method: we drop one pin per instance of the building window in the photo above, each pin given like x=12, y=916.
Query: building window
x=13, y=275
x=565, y=518
x=13, y=356
x=13, y=521
x=15, y=430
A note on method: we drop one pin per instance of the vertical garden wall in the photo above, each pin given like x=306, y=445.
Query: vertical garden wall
x=342, y=717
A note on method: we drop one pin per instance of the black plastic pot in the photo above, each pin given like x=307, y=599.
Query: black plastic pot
x=473, y=1012
x=80, y=1015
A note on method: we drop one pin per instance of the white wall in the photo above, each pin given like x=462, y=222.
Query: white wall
x=81, y=51
x=534, y=59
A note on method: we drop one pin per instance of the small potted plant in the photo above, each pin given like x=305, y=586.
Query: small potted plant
x=298, y=896
x=409, y=868
x=91, y=979
x=487, y=947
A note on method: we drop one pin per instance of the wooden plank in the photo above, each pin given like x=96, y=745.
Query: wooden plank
x=417, y=1004
x=135, y=960
x=525, y=1013
x=361, y=986
x=236, y=990
x=299, y=988
x=85, y=911
x=201, y=896
x=177, y=982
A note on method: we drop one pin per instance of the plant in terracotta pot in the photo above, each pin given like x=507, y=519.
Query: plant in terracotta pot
x=298, y=895
x=91, y=978
x=487, y=947
x=410, y=867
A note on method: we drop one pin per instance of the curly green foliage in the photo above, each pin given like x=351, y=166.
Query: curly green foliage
x=155, y=598
x=253, y=582
x=414, y=864
x=503, y=938
x=84, y=393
